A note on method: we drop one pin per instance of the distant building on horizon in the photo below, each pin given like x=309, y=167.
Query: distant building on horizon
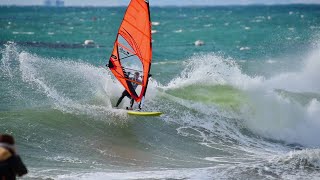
x=56, y=3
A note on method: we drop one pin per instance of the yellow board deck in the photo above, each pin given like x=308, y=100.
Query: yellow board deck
x=140, y=113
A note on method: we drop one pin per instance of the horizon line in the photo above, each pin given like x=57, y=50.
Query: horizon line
x=196, y=5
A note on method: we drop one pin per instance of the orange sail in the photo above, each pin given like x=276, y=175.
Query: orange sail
x=132, y=50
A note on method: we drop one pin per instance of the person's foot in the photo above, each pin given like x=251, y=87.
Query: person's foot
x=127, y=108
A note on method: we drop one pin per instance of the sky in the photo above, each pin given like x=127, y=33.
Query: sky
x=159, y=2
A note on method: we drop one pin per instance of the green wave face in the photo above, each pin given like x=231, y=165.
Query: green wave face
x=222, y=95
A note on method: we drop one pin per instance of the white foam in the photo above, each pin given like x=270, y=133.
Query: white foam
x=209, y=70
x=212, y=69
x=267, y=112
x=257, y=20
x=280, y=117
x=178, y=31
x=66, y=159
x=300, y=159
x=27, y=33
x=199, y=173
x=301, y=81
x=45, y=75
x=155, y=23
x=291, y=29
x=244, y=48
x=207, y=25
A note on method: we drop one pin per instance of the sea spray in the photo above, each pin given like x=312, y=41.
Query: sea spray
x=71, y=87
x=283, y=115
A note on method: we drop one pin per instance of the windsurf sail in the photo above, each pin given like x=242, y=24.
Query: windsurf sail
x=132, y=50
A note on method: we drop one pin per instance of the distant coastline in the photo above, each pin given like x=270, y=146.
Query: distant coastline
x=62, y=4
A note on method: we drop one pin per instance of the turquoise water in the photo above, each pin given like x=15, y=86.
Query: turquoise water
x=244, y=105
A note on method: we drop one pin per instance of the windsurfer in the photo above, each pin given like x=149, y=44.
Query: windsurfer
x=125, y=93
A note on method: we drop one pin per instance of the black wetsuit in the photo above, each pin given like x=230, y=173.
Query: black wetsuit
x=10, y=165
x=124, y=94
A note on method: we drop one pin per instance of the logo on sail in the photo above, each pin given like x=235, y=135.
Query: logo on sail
x=114, y=57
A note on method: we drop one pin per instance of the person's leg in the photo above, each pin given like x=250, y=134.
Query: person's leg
x=120, y=99
x=131, y=103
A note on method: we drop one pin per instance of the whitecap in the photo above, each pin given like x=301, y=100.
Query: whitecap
x=291, y=29
x=257, y=20
x=244, y=48
x=178, y=31
x=155, y=23
x=218, y=159
x=314, y=27
x=28, y=33
x=207, y=25
x=301, y=159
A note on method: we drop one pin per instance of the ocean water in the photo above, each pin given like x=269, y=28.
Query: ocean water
x=245, y=105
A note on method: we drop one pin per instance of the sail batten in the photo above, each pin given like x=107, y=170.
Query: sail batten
x=132, y=50
x=137, y=29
